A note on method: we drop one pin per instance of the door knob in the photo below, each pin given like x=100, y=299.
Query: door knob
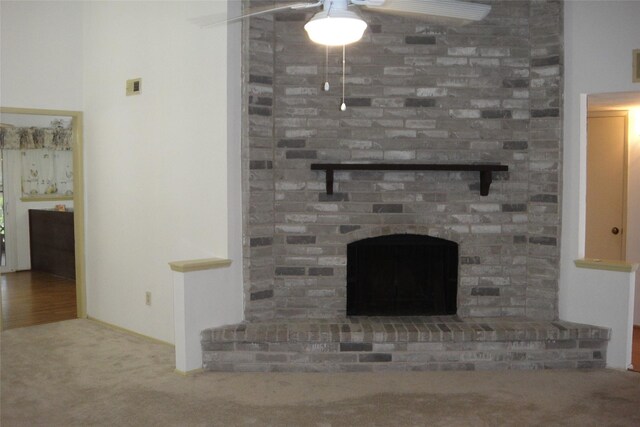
x=615, y=230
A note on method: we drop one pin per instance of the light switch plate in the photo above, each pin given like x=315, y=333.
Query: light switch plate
x=134, y=86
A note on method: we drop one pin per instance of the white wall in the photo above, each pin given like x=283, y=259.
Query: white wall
x=155, y=164
x=41, y=46
x=234, y=152
x=633, y=201
x=597, y=60
x=156, y=175
x=40, y=67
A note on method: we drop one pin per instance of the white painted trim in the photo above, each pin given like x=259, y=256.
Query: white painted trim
x=189, y=373
x=582, y=183
x=127, y=331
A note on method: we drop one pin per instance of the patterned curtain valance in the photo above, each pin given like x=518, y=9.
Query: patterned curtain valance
x=29, y=138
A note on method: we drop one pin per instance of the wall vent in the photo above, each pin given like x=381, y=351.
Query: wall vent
x=134, y=86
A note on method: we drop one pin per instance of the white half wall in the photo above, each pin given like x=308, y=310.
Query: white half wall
x=597, y=59
x=202, y=299
x=156, y=163
x=607, y=300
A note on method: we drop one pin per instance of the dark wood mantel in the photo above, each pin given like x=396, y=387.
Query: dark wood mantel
x=486, y=170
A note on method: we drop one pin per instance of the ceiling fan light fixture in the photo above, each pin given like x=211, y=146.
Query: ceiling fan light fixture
x=335, y=28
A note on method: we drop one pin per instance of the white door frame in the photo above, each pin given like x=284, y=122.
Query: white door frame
x=10, y=225
x=78, y=194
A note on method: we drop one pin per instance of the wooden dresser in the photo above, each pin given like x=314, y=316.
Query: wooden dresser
x=51, y=238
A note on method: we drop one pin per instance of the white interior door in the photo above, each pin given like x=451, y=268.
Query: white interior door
x=606, y=185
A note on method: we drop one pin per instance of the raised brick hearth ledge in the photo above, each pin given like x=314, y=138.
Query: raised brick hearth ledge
x=403, y=343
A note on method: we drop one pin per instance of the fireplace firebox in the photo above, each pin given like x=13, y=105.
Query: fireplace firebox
x=402, y=275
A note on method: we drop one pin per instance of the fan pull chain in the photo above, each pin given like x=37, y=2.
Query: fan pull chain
x=343, y=107
x=326, y=86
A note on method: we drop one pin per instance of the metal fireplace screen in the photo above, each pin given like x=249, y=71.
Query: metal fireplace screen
x=402, y=275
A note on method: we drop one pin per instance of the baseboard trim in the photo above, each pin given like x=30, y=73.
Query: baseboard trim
x=189, y=373
x=128, y=331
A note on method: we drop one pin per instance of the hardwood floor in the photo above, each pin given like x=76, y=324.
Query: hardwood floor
x=635, y=355
x=32, y=298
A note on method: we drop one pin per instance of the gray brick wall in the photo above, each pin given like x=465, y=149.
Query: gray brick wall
x=416, y=92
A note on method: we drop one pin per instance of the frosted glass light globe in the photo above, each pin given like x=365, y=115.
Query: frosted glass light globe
x=340, y=27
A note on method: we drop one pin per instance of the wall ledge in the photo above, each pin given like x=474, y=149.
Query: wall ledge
x=199, y=264
x=604, y=264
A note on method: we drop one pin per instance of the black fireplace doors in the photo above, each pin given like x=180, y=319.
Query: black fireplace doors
x=402, y=275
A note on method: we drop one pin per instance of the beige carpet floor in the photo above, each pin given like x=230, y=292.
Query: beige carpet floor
x=81, y=373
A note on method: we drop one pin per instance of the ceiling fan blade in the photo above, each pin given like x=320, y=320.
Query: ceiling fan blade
x=438, y=8
x=217, y=19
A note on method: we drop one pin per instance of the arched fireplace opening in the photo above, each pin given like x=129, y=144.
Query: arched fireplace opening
x=402, y=275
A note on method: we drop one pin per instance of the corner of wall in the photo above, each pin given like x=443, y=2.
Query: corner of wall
x=257, y=161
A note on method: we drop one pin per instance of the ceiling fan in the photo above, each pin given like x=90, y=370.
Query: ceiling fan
x=338, y=24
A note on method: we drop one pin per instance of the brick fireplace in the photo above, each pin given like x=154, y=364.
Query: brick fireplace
x=416, y=92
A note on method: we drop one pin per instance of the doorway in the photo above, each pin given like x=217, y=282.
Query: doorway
x=613, y=169
x=17, y=205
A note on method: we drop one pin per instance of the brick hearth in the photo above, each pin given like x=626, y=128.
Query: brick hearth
x=403, y=343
